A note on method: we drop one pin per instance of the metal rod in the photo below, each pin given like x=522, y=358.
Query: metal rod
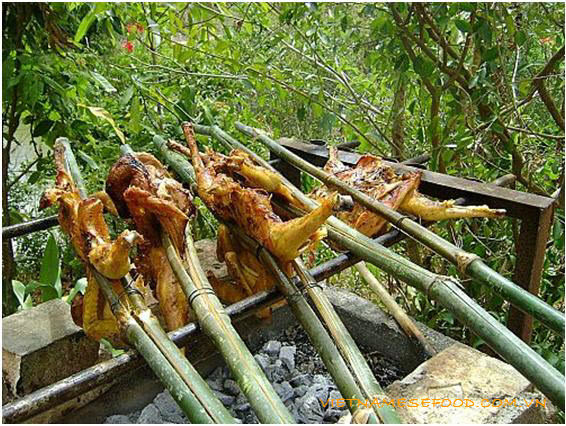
x=106, y=371
x=41, y=224
x=34, y=225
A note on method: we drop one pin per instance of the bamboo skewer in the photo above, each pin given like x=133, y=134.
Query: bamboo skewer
x=404, y=321
x=175, y=373
x=347, y=346
x=216, y=323
x=467, y=263
x=320, y=338
x=446, y=290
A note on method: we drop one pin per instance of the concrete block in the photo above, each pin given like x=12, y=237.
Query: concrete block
x=43, y=345
x=485, y=390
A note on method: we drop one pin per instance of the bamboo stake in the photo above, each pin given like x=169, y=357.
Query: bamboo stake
x=202, y=409
x=176, y=358
x=404, y=321
x=320, y=338
x=467, y=263
x=345, y=343
x=217, y=325
x=446, y=290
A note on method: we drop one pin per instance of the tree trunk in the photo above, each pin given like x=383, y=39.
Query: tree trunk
x=436, y=132
x=398, y=114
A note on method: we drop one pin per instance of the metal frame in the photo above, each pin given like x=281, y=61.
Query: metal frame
x=535, y=213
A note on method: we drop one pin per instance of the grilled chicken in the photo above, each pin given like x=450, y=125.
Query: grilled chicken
x=83, y=221
x=220, y=184
x=243, y=266
x=400, y=192
x=142, y=189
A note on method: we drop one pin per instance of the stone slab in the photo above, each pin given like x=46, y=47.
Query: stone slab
x=460, y=375
x=43, y=345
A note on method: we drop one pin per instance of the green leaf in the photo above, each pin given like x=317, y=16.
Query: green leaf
x=105, y=115
x=135, y=115
x=510, y=25
x=42, y=128
x=102, y=82
x=463, y=25
x=344, y=23
x=80, y=287
x=491, y=54
x=328, y=120
x=19, y=290
x=301, y=113
x=520, y=37
x=423, y=67
x=127, y=96
x=49, y=273
x=88, y=159
x=85, y=24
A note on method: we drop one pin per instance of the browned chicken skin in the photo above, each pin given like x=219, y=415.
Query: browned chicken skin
x=399, y=192
x=84, y=222
x=142, y=189
x=251, y=208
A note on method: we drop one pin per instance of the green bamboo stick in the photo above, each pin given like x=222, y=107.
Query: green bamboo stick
x=345, y=343
x=443, y=289
x=198, y=386
x=404, y=321
x=217, y=325
x=318, y=335
x=467, y=263
x=148, y=348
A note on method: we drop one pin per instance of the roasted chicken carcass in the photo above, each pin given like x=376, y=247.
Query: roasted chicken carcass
x=222, y=186
x=238, y=190
x=83, y=221
x=143, y=190
x=400, y=192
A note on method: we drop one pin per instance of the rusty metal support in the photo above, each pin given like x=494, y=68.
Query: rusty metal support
x=530, y=249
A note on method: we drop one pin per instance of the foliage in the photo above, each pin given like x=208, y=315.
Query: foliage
x=476, y=85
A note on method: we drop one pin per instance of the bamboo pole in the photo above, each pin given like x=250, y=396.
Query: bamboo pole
x=320, y=338
x=217, y=325
x=347, y=346
x=443, y=289
x=176, y=358
x=176, y=374
x=404, y=321
x=467, y=263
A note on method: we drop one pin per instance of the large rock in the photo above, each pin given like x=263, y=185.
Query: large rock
x=477, y=383
x=43, y=345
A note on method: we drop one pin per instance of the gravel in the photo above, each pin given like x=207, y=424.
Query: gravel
x=296, y=372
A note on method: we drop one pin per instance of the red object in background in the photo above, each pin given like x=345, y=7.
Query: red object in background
x=128, y=45
x=140, y=27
